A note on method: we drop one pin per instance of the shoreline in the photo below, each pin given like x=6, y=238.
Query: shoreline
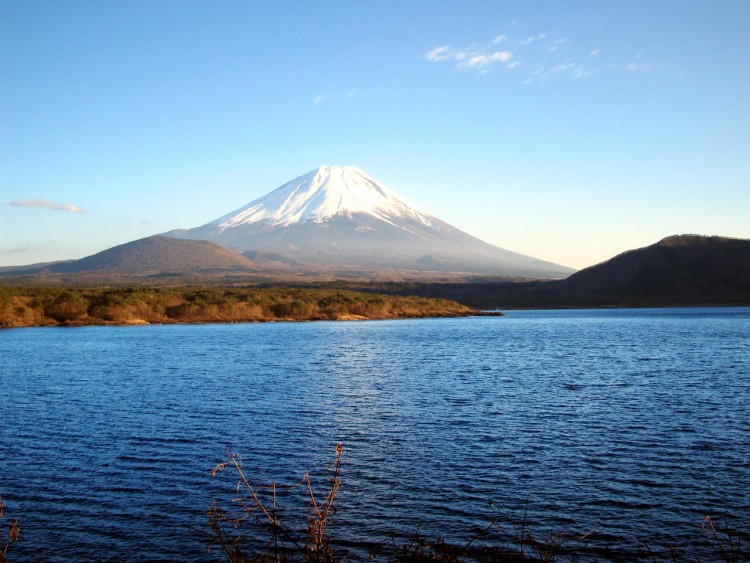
x=351, y=318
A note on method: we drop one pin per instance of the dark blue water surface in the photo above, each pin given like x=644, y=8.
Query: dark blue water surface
x=635, y=423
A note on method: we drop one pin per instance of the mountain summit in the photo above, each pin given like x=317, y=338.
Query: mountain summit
x=339, y=220
x=321, y=194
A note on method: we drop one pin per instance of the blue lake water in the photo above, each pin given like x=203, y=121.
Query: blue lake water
x=633, y=423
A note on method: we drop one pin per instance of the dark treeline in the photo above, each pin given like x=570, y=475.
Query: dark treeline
x=552, y=294
x=51, y=306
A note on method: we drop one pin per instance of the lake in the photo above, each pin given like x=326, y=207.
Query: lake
x=632, y=423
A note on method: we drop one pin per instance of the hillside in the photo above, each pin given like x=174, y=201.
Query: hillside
x=677, y=269
x=156, y=254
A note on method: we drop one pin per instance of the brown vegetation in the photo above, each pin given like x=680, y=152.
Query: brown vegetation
x=309, y=542
x=260, y=527
x=13, y=532
x=46, y=306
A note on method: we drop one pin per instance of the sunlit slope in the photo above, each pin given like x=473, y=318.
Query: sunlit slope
x=339, y=218
x=160, y=254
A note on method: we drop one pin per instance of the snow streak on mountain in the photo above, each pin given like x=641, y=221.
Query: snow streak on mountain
x=339, y=220
x=321, y=194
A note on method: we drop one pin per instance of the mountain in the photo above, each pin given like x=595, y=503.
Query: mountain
x=155, y=254
x=339, y=219
x=683, y=270
x=677, y=269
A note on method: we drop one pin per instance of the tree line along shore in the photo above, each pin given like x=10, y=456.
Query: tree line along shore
x=46, y=306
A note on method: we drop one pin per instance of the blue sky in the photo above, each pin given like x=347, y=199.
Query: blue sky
x=566, y=131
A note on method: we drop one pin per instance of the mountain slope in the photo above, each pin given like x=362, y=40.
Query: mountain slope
x=683, y=268
x=159, y=254
x=338, y=218
x=321, y=194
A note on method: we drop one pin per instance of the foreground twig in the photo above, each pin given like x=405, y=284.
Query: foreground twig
x=286, y=543
x=726, y=545
x=13, y=532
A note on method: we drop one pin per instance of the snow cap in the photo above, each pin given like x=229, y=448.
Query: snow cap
x=321, y=194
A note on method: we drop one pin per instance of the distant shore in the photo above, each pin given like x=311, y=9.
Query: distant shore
x=45, y=306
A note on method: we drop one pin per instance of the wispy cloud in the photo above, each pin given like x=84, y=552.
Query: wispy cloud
x=29, y=248
x=533, y=57
x=530, y=39
x=484, y=61
x=47, y=204
x=481, y=58
x=441, y=53
x=136, y=221
x=639, y=65
x=321, y=99
x=338, y=96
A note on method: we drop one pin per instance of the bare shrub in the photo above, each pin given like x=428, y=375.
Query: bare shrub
x=258, y=505
x=13, y=532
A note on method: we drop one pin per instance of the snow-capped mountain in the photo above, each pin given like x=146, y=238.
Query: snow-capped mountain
x=321, y=194
x=339, y=219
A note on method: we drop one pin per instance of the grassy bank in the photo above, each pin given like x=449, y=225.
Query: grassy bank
x=48, y=306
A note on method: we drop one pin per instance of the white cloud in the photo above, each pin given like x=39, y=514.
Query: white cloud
x=481, y=58
x=47, y=204
x=351, y=94
x=439, y=53
x=531, y=38
x=321, y=98
x=542, y=56
x=484, y=61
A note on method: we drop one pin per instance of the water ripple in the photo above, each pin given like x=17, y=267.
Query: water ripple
x=633, y=422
